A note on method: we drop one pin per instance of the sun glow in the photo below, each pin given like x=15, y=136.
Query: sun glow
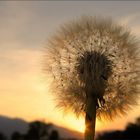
x=75, y=123
x=57, y=116
x=28, y=96
x=50, y=113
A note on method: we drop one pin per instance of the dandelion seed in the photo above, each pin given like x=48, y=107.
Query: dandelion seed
x=102, y=60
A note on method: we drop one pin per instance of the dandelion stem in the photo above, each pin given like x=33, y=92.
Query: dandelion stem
x=90, y=119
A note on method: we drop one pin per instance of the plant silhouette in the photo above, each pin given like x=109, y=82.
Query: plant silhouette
x=54, y=135
x=131, y=131
x=37, y=130
x=2, y=136
x=16, y=136
x=92, y=66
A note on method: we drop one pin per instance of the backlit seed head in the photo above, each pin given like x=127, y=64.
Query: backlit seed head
x=93, y=57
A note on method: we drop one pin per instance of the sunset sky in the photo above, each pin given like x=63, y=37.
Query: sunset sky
x=24, y=29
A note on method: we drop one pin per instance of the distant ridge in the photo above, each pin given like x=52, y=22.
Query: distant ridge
x=66, y=133
x=9, y=125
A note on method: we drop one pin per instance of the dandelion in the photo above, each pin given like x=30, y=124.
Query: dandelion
x=92, y=65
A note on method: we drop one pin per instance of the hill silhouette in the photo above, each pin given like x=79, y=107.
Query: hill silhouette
x=8, y=126
x=15, y=129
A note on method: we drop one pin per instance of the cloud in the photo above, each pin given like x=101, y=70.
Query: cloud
x=28, y=24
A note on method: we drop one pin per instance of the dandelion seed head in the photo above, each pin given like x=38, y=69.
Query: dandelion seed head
x=93, y=57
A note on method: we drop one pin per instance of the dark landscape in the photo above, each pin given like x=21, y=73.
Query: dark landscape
x=18, y=129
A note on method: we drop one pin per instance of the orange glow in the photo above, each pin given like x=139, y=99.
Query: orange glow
x=24, y=94
x=23, y=90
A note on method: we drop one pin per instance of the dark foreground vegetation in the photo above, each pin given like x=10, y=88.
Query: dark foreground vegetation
x=131, y=132
x=37, y=131
x=42, y=131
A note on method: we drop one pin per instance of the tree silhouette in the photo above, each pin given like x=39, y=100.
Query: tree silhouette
x=2, y=136
x=113, y=135
x=37, y=130
x=16, y=136
x=54, y=135
x=131, y=132
x=92, y=65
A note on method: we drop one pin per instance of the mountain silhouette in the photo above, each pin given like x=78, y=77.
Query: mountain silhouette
x=9, y=125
